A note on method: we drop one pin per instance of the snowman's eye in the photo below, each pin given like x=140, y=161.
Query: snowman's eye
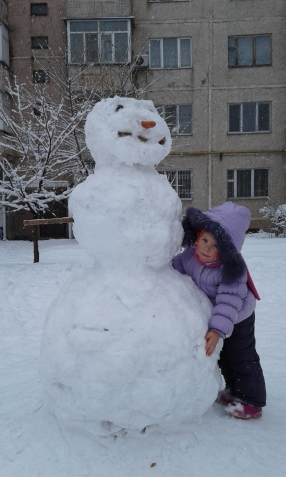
x=162, y=141
x=119, y=107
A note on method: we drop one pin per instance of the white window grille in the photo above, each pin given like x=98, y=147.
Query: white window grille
x=181, y=181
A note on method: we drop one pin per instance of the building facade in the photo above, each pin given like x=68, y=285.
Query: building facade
x=216, y=71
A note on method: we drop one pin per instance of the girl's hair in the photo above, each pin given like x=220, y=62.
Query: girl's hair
x=200, y=233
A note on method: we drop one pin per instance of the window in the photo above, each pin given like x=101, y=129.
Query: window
x=38, y=42
x=170, y=53
x=253, y=50
x=247, y=183
x=91, y=166
x=44, y=108
x=178, y=118
x=249, y=118
x=95, y=41
x=40, y=76
x=39, y=8
x=180, y=181
x=4, y=44
x=37, y=110
x=5, y=108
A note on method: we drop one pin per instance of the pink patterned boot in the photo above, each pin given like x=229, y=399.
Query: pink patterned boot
x=224, y=397
x=243, y=411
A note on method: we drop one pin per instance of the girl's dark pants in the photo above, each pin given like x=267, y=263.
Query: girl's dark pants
x=240, y=365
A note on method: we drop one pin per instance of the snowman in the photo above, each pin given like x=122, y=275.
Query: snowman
x=123, y=344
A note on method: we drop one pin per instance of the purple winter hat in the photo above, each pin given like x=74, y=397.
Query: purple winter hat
x=227, y=223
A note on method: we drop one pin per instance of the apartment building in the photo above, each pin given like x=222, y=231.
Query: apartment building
x=216, y=71
x=231, y=72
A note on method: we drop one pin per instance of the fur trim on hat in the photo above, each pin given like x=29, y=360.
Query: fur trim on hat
x=233, y=265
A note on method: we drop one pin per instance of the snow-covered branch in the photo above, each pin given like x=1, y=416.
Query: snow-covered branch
x=43, y=152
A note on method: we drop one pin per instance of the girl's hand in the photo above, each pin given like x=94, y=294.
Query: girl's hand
x=211, y=338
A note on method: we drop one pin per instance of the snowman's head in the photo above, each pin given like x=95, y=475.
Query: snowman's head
x=127, y=131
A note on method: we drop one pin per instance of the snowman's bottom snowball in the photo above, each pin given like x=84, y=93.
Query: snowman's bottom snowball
x=128, y=351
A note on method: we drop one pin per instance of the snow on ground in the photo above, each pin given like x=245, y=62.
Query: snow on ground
x=33, y=445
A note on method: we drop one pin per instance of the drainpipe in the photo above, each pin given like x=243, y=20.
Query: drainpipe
x=4, y=221
x=210, y=109
x=70, y=228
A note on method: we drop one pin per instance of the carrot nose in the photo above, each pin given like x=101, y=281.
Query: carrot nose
x=148, y=124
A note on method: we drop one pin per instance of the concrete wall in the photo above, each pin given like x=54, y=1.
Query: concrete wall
x=210, y=85
x=23, y=25
x=97, y=9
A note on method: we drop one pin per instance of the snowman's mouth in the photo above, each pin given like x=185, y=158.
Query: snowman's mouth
x=141, y=138
x=122, y=134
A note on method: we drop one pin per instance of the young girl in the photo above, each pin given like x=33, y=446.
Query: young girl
x=212, y=259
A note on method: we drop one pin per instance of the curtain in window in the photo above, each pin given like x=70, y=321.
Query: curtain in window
x=230, y=183
x=185, y=119
x=234, y=118
x=231, y=51
x=171, y=118
x=170, y=53
x=77, y=48
x=185, y=52
x=245, y=51
x=155, y=53
x=121, y=47
x=263, y=50
x=92, y=47
x=244, y=183
x=249, y=117
x=106, y=47
x=260, y=182
x=263, y=117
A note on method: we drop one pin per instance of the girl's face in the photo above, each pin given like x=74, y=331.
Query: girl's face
x=207, y=248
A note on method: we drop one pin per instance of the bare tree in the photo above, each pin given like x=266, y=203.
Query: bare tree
x=44, y=155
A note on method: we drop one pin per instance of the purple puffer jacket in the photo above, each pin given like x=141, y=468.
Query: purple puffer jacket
x=232, y=303
x=225, y=283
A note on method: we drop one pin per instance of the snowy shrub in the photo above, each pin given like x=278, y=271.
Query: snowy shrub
x=276, y=218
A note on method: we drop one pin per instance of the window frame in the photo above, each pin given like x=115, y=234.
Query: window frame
x=162, y=67
x=235, y=49
x=39, y=4
x=4, y=44
x=100, y=34
x=252, y=183
x=176, y=185
x=241, y=123
x=162, y=111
